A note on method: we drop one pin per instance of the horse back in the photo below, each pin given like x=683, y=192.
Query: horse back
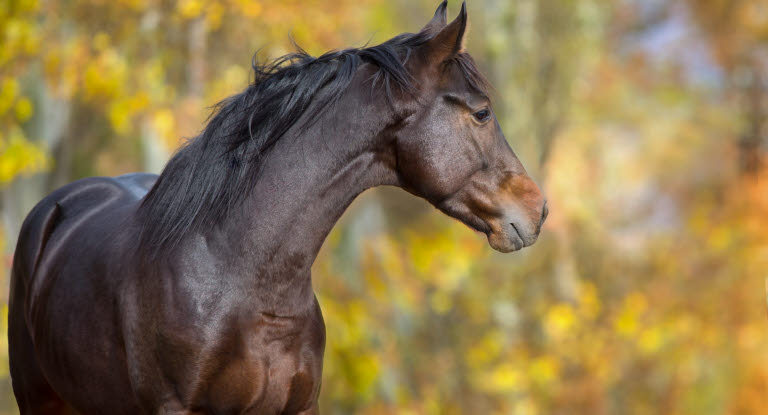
x=73, y=203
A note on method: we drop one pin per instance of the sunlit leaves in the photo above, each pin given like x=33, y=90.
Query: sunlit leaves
x=104, y=75
x=190, y=8
x=644, y=293
x=23, y=109
x=560, y=319
x=9, y=89
x=19, y=156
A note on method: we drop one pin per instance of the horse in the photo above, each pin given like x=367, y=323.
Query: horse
x=190, y=292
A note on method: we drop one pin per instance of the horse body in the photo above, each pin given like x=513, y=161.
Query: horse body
x=216, y=347
x=191, y=292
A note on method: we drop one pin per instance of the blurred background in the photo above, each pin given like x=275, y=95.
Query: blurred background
x=644, y=121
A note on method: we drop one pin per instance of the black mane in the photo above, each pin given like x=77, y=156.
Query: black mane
x=215, y=171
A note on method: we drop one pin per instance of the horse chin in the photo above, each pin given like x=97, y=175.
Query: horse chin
x=505, y=243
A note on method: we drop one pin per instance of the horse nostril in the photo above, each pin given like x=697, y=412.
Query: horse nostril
x=544, y=213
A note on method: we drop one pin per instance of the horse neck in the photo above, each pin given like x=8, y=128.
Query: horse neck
x=306, y=183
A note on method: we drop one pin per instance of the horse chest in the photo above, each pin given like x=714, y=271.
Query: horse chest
x=261, y=365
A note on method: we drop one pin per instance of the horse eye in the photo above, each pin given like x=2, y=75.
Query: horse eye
x=482, y=115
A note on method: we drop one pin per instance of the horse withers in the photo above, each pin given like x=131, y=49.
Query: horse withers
x=190, y=292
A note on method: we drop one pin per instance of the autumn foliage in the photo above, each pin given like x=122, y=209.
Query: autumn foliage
x=645, y=123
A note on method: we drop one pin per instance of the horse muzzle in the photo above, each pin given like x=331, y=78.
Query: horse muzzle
x=516, y=229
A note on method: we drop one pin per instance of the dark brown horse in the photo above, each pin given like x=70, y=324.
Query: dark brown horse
x=190, y=292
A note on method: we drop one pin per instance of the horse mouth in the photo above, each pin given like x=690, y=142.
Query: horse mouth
x=504, y=237
x=517, y=231
x=506, y=242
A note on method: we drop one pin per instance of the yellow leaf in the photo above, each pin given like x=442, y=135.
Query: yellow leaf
x=8, y=90
x=506, y=378
x=19, y=156
x=559, y=320
x=441, y=302
x=190, y=8
x=23, y=109
x=544, y=370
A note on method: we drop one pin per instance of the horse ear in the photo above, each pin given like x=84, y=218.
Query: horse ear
x=439, y=20
x=450, y=39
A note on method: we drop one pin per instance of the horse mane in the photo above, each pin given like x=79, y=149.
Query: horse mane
x=214, y=171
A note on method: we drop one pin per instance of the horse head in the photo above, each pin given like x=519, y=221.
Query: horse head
x=451, y=150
